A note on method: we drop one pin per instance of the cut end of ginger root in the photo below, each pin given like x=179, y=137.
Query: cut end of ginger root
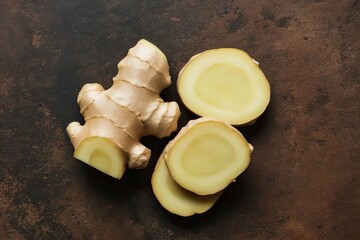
x=226, y=84
x=116, y=118
x=198, y=164
x=103, y=155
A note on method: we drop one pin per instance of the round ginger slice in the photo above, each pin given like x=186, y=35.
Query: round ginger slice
x=176, y=199
x=226, y=84
x=207, y=155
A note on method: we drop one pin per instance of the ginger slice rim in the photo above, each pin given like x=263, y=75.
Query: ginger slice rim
x=255, y=97
x=211, y=182
x=176, y=199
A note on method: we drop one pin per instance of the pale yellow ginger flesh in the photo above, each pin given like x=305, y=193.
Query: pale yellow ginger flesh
x=207, y=155
x=226, y=84
x=176, y=199
x=130, y=109
x=102, y=154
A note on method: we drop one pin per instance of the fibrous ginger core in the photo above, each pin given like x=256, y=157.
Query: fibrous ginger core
x=100, y=160
x=207, y=154
x=224, y=86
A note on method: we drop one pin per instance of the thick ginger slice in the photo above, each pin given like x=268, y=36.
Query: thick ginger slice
x=116, y=118
x=173, y=197
x=207, y=155
x=226, y=84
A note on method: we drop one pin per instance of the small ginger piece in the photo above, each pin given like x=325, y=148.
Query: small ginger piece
x=116, y=118
x=176, y=199
x=226, y=84
x=207, y=155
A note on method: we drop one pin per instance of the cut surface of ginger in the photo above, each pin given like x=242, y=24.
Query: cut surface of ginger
x=207, y=155
x=176, y=199
x=226, y=84
x=102, y=154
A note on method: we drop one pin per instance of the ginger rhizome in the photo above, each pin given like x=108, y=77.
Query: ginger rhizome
x=116, y=118
x=226, y=84
x=198, y=164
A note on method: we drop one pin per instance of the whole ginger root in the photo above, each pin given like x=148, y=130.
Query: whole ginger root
x=116, y=118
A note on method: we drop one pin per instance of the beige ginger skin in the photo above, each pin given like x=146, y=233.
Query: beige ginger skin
x=131, y=108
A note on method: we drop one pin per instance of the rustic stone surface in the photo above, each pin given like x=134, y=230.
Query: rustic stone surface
x=303, y=182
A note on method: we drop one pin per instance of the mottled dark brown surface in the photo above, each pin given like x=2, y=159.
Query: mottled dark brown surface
x=304, y=179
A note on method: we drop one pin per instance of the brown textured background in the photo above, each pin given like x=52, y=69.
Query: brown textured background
x=304, y=180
